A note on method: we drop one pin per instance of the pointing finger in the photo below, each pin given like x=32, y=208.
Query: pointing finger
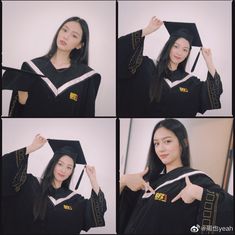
x=188, y=182
x=176, y=198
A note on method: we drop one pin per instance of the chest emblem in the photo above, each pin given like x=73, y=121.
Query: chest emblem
x=73, y=96
x=160, y=197
x=67, y=207
x=183, y=89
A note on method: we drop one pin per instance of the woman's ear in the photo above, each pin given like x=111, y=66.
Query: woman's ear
x=185, y=142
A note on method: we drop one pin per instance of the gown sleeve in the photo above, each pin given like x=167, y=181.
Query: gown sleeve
x=210, y=93
x=127, y=200
x=130, y=54
x=15, y=108
x=216, y=209
x=14, y=174
x=96, y=207
x=92, y=90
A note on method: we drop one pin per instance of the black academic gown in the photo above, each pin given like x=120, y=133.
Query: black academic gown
x=181, y=95
x=67, y=211
x=69, y=92
x=156, y=214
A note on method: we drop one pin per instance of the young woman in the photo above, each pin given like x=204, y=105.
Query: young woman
x=47, y=205
x=68, y=86
x=164, y=90
x=169, y=197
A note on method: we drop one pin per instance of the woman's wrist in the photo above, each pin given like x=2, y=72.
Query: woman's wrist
x=29, y=149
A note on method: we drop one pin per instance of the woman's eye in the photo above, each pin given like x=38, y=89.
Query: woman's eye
x=75, y=36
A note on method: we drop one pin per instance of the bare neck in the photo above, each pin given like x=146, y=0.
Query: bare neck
x=61, y=59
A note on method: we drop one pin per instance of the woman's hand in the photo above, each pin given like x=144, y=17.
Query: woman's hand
x=153, y=25
x=135, y=182
x=22, y=97
x=190, y=193
x=91, y=172
x=207, y=55
x=37, y=143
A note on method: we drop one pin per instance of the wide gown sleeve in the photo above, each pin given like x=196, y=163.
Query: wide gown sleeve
x=127, y=200
x=95, y=209
x=130, y=54
x=91, y=94
x=14, y=173
x=216, y=209
x=15, y=108
x=210, y=93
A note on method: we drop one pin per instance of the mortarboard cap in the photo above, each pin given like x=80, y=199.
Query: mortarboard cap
x=17, y=79
x=71, y=148
x=185, y=30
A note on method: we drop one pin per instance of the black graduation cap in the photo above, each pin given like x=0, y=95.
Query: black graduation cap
x=71, y=148
x=17, y=79
x=188, y=31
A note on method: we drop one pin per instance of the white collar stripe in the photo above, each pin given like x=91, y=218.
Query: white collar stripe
x=58, y=201
x=75, y=81
x=146, y=195
x=64, y=86
x=175, y=83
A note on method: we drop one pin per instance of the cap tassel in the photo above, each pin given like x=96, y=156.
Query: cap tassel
x=195, y=62
x=79, y=180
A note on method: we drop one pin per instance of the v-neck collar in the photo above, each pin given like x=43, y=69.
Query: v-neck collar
x=58, y=82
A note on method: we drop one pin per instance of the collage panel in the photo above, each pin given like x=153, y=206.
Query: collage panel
x=176, y=176
x=173, y=60
x=54, y=57
x=43, y=192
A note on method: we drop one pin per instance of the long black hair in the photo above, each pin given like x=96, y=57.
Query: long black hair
x=76, y=55
x=153, y=162
x=155, y=91
x=40, y=204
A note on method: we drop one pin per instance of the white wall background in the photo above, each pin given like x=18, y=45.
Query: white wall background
x=97, y=138
x=208, y=139
x=28, y=28
x=214, y=22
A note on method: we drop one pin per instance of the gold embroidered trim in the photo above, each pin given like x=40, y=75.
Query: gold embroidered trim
x=97, y=204
x=13, y=104
x=21, y=174
x=214, y=88
x=137, y=46
x=210, y=208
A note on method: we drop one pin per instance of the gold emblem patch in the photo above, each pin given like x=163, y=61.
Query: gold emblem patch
x=160, y=197
x=67, y=207
x=73, y=96
x=183, y=89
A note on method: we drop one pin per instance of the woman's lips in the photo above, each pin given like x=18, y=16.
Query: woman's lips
x=61, y=175
x=163, y=156
x=63, y=43
x=177, y=57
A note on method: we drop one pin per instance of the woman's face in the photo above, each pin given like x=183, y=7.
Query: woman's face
x=179, y=51
x=63, y=169
x=167, y=147
x=69, y=36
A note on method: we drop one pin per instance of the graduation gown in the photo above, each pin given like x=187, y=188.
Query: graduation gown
x=69, y=92
x=183, y=94
x=143, y=213
x=67, y=211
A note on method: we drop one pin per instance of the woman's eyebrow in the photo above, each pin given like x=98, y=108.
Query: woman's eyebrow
x=67, y=27
x=166, y=137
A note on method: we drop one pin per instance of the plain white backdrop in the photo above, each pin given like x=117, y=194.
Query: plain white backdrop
x=28, y=28
x=214, y=22
x=98, y=141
